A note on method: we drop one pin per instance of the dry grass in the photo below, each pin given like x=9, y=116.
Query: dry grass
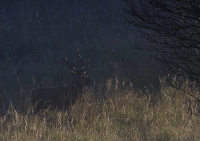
x=31, y=55
x=123, y=115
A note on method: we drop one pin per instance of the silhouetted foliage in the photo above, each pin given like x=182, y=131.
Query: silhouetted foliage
x=174, y=28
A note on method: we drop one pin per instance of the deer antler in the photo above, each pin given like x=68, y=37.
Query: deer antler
x=75, y=70
x=84, y=65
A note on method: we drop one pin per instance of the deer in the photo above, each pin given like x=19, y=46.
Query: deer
x=62, y=98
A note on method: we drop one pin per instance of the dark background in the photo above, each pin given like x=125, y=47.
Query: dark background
x=36, y=35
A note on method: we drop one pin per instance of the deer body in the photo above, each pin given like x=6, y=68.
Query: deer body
x=61, y=97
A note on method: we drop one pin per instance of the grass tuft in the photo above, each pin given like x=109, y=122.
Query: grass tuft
x=124, y=115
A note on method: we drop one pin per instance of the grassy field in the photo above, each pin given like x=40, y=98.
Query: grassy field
x=130, y=100
x=122, y=115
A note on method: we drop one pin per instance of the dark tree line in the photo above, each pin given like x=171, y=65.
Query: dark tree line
x=173, y=27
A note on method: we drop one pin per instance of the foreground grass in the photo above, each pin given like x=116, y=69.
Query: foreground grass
x=124, y=115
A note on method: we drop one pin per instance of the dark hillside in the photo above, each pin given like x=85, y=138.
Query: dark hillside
x=35, y=36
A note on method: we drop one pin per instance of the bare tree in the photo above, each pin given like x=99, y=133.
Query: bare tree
x=173, y=27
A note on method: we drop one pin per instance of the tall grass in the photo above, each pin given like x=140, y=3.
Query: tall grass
x=126, y=102
x=123, y=115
